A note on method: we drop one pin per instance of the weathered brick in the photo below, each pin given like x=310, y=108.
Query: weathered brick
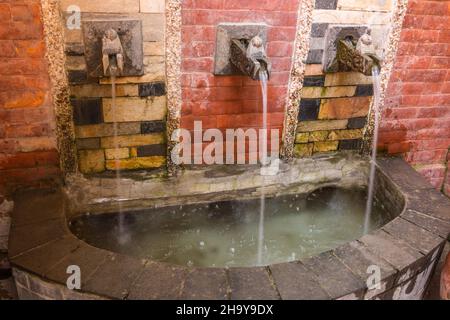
x=344, y=108
x=103, y=91
x=325, y=146
x=318, y=136
x=86, y=144
x=76, y=63
x=136, y=163
x=365, y=5
x=134, y=109
x=303, y=150
x=91, y=161
x=328, y=92
x=133, y=140
x=346, y=79
x=154, y=48
x=314, y=70
x=153, y=6
x=106, y=130
x=302, y=137
x=119, y=153
x=306, y=126
x=113, y=6
x=345, y=134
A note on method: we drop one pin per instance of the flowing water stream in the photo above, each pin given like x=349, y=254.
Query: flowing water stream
x=263, y=78
x=122, y=233
x=373, y=158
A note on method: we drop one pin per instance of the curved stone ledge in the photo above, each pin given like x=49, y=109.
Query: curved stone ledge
x=406, y=251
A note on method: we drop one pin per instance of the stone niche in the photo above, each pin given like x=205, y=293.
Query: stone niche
x=140, y=109
x=334, y=106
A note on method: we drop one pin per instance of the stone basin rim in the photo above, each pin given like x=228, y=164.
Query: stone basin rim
x=425, y=212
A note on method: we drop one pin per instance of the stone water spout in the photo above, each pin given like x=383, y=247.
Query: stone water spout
x=250, y=57
x=359, y=56
x=112, y=54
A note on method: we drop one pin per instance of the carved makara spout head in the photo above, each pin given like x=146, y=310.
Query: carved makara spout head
x=360, y=56
x=112, y=52
x=250, y=57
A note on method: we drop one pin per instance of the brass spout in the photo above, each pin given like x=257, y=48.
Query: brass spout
x=112, y=54
x=250, y=57
x=359, y=56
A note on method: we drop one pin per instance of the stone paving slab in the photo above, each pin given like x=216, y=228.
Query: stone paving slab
x=159, y=281
x=295, y=282
x=87, y=258
x=251, y=284
x=406, y=249
x=429, y=202
x=404, y=175
x=43, y=258
x=356, y=257
x=206, y=284
x=419, y=238
x=395, y=251
x=434, y=225
x=334, y=276
x=115, y=277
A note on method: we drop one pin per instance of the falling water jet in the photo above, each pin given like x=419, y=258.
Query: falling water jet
x=373, y=158
x=123, y=237
x=264, y=161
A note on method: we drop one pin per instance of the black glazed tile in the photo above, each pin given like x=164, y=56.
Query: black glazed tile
x=326, y=4
x=314, y=81
x=318, y=30
x=357, y=123
x=365, y=90
x=309, y=109
x=153, y=126
x=87, y=111
x=155, y=89
x=314, y=56
x=350, y=144
x=152, y=150
x=77, y=76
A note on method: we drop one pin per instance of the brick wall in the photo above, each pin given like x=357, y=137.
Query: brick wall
x=416, y=120
x=334, y=106
x=234, y=101
x=28, y=154
x=141, y=100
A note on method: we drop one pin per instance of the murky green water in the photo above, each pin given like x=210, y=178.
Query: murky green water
x=225, y=233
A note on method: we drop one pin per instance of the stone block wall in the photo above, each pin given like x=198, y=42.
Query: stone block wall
x=28, y=154
x=416, y=119
x=228, y=102
x=334, y=106
x=140, y=108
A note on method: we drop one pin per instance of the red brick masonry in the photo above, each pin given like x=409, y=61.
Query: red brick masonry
x=28, y=154
x=416, y=121
x=234, y=101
